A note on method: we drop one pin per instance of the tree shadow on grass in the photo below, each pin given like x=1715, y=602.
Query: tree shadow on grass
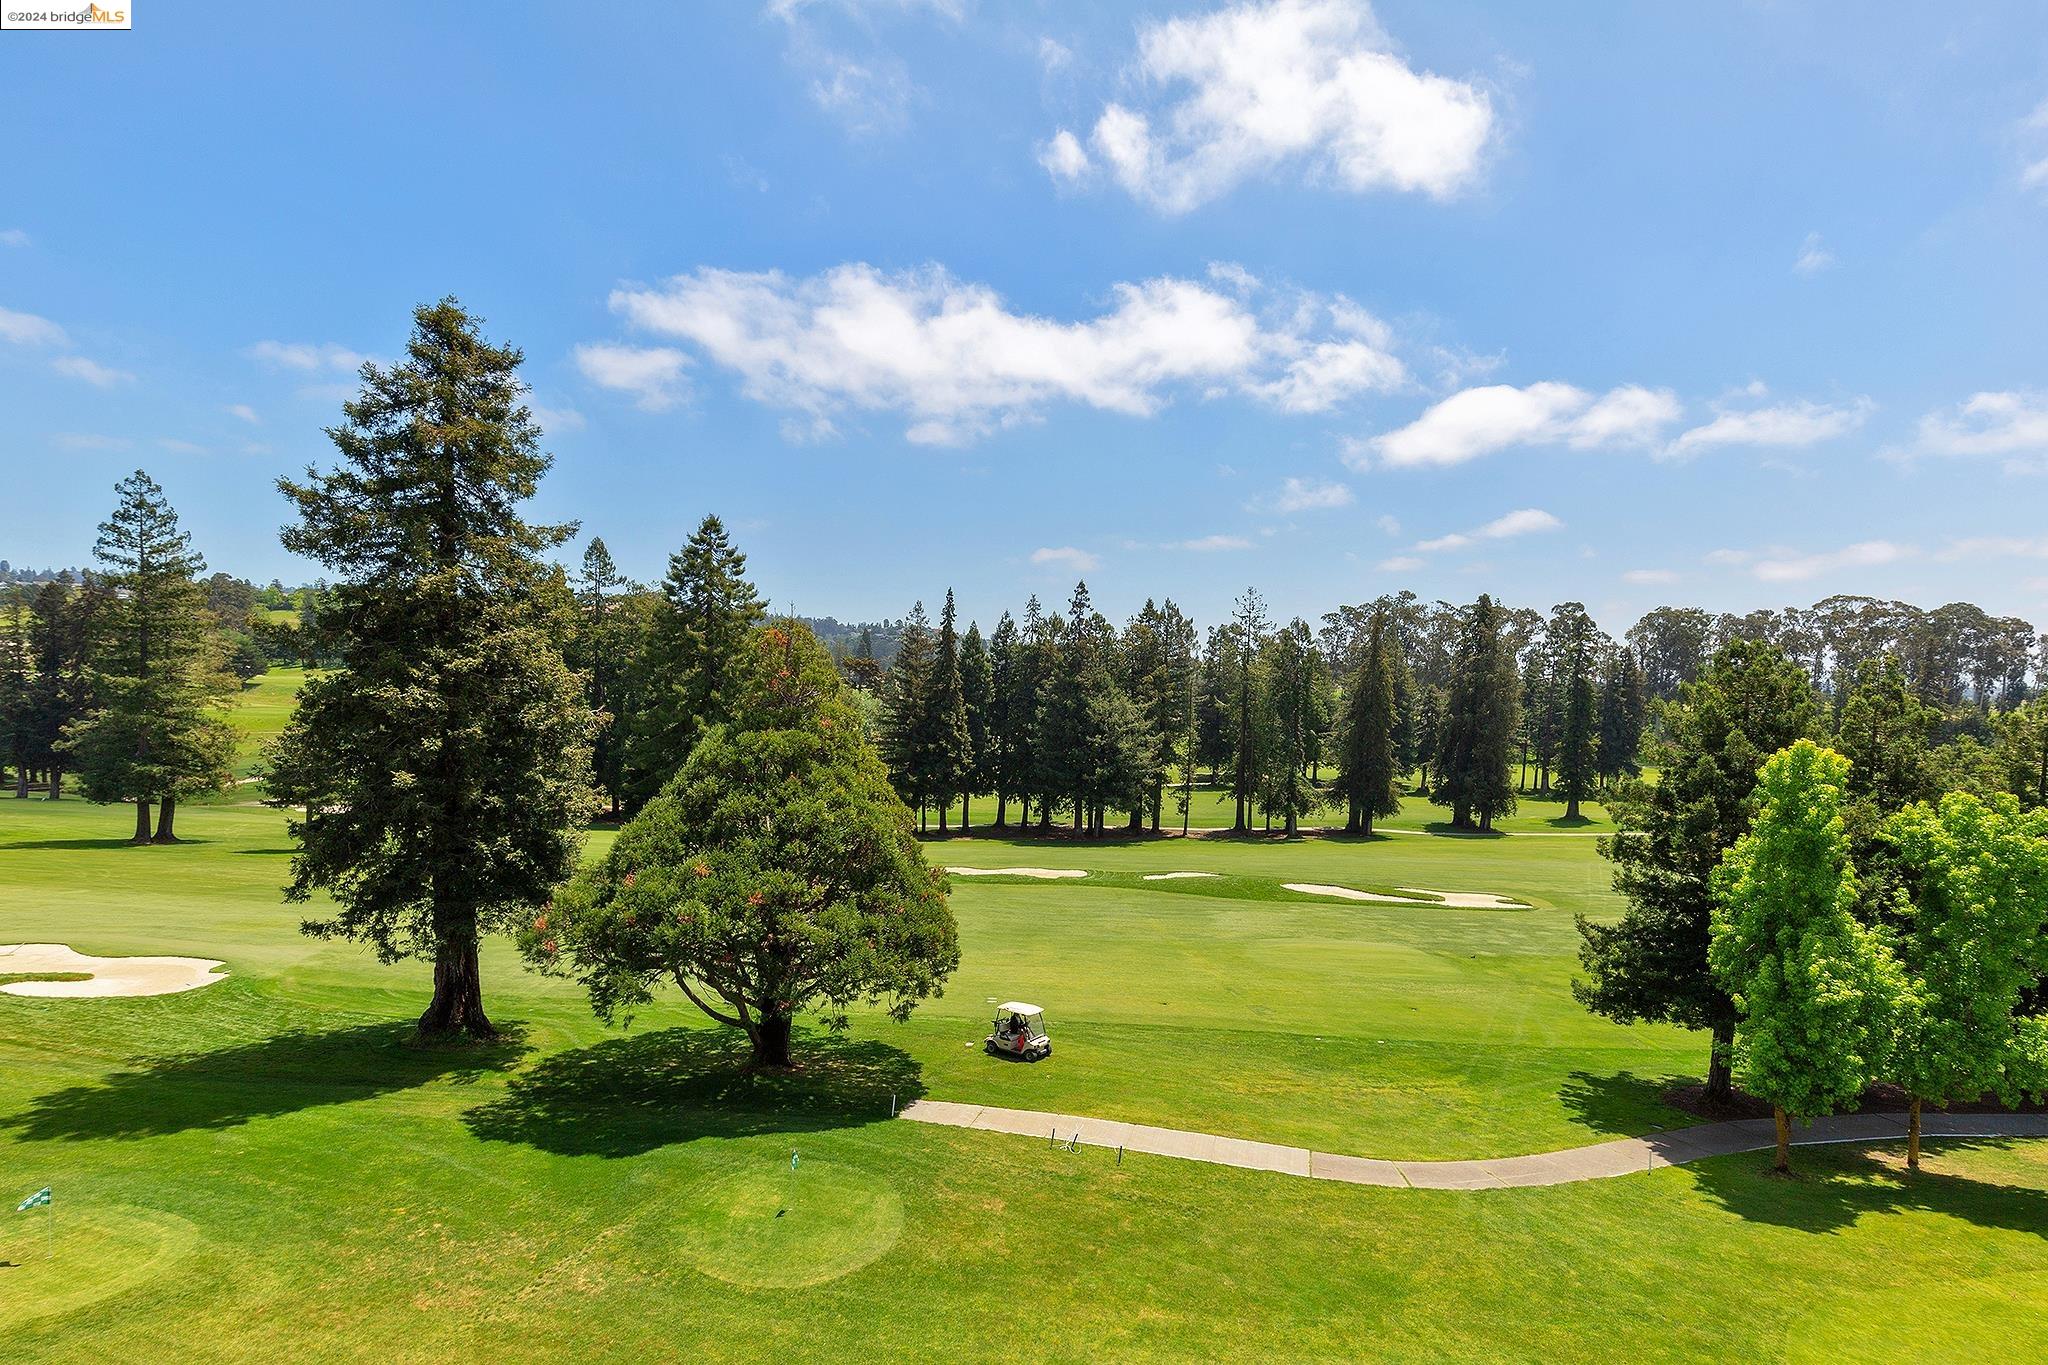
x=74, y=844
x=1623, y=1104
x=230, y=1086
x=630, y=1095
x=1832, y=1187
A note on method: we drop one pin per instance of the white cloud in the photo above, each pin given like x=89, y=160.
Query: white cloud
x=1992, y=423
x=1211, y=544
x=1065, y=557
x=1813, y=257
x=2034, y=130
x=1520, y=522
x=178, y=447
x=1400, y=564
x=1778, y=567
x=245, y=412
x=1480, y=421
x=13, y=237
x=1306, y=495
x=1054, y=55
x=1064, y=158
x=86, y=440
x=1649, y=577
x=1994, y=547
x=956, y=362
x=26, y=329
x=1389, y=523
x=91, y=371
x=871, y=96
x=653, y=374
x=1786, y=424
x=1310, y=85
x=307, y=357
x=554, y=420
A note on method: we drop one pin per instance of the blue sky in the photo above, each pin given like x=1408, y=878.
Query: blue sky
x=1730, y=305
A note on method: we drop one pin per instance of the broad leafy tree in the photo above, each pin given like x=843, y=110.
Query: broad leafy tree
x=1972, y=937
x=776, y=873
x=444, y=769
x=1815, y=992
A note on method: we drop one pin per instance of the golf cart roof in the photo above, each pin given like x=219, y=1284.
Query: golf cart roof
x=1018, y=1007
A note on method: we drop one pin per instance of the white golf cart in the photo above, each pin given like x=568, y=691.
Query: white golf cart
x=1019, y=1032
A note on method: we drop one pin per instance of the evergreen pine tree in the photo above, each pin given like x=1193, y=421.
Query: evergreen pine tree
x=599, y=651
x=1476, y=740
x=691, y=666
x=905, y=701
x=1249, y=628
x=948, y=744
x=1571, y=636
x=445, y=768
x=1368, y=771
x=155, y=733
x=977, y=692
x=1621, y=717
x=1003, y=747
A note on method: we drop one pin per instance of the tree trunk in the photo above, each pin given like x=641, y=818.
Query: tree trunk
x=458, y=1004
x=56, y=784
x=965, y=806
x=1365, y=823
x=1571, y=808
x=1720, y=1072
x=1002, y=810
x=1293, y=825
x=771, y=1041
x=21, y=784
x=1784, y=1166
x=141, y=823
x=945, y=809
x=1913, y=1134
x=166, y=814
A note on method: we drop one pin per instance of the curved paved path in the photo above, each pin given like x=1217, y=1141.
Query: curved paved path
x=1623, y=1156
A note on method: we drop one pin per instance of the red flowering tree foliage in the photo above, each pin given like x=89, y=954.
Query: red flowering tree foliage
x=776, y=873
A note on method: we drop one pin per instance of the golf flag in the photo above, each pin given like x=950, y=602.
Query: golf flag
x=40, y=1199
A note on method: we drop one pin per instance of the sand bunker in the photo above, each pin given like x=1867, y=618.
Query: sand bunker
x=1175, y=876
x=107, y=975
x=1456, y=900
x=1041, y=872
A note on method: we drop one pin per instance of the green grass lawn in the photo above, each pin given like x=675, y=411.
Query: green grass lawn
x=1210, y=807
x=269, y=1168
x=260, y=712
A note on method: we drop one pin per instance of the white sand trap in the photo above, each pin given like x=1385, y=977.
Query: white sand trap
x=1472, y=900
x=1456, y=900
x=1175, y=876
x=1047, y=873
x=108, y=975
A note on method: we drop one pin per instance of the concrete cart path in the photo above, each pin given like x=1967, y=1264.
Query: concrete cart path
x=1619, y=1157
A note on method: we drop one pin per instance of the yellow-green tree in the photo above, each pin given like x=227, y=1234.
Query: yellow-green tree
x=1974, y=907
x=1815, y=991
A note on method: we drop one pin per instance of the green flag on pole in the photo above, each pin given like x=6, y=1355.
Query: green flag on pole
x=40, y=1199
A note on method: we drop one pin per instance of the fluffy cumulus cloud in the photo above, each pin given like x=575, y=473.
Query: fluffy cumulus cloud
x=1520, y=522
x=652, y=374
x=1254, y=89
x=1306, y=495
x=1494, y=417
x=1064, y=557
x=2004, y=423
x=1780, y=426
x=956, y=362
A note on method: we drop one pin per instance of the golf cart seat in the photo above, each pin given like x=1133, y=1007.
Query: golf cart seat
x=1018, y=1033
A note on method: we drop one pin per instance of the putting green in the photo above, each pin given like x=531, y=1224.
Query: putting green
x=84, y=1254
x=766, y=1226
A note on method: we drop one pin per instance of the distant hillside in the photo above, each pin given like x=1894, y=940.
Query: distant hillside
x=843, y=637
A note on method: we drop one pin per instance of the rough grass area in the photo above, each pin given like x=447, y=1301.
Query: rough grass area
x=272, y=1168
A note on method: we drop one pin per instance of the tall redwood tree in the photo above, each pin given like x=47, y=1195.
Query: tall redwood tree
x=444, y=769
